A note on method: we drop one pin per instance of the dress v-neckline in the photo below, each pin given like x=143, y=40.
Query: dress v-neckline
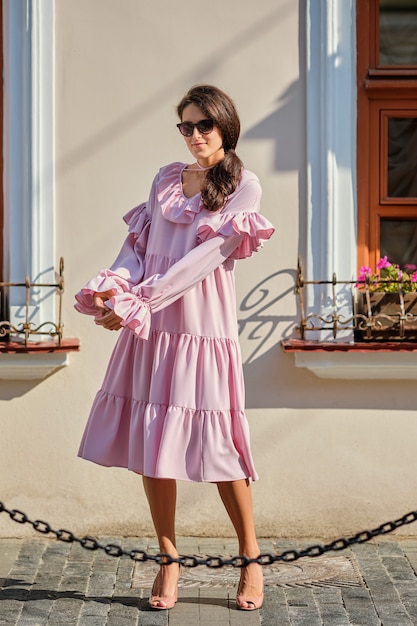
x=181, y=185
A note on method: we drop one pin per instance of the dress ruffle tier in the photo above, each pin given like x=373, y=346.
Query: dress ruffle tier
x=172, y=400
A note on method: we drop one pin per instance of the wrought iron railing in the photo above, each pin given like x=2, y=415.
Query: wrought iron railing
x=27, y=330
x=355, y=306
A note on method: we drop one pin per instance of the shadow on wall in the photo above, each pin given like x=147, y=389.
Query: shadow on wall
x=259, y=322
x=284, y=126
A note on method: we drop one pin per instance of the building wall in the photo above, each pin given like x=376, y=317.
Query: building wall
x=333, y=456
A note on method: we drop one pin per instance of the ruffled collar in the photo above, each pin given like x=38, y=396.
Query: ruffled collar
x=174, y=205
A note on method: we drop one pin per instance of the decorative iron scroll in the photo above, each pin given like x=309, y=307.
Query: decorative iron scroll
x=28, y=330
x=371, y=315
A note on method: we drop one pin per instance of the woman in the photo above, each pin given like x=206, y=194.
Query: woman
x=172, y=402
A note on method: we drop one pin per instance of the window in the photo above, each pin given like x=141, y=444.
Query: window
x=344, y=166
x=1, y=144
x=387, y=131
x=28, y=213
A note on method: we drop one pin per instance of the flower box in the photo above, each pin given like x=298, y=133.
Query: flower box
x=385, y=319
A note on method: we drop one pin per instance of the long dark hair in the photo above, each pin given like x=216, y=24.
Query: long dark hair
x=221, y=180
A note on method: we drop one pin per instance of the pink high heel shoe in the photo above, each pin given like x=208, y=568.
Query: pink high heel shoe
x=248, y=603
x=254, y=602
x=163, y=602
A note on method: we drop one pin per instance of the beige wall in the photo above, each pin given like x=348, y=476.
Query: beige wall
x=333, y=456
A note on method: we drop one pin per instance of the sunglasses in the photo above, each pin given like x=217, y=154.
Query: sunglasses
x=187, y=128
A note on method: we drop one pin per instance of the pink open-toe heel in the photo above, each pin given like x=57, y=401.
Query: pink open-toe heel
x=246, y=602
x=163, y=602
x=249, y=603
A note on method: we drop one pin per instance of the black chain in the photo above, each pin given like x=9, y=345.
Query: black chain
x=111, y=549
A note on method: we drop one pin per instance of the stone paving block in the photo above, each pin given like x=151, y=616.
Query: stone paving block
x=78, y=553
x=231, y=546
x=382, y=589
x=42, y=594
x=76, y=569
x=360, y=607
x=389, y=548
x=66, y=610
x=123, y=616
x=124, y=609
x=244, y=618
x=275, y=609
x=9, y=613
x=72, y=587
x=214, y=605
x=331, y=608
x=186, y=610
x=266, y=546
x=20, y=580
x=302, y=607
x=149, y=617
x=37, y=616
x=408, y=595
x=187, y=545
x=399, y=569
x=211, y=546
x=101, y=584
x=94, y=611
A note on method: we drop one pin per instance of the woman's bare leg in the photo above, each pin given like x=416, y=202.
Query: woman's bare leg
x=237, y=499
x=162, y=498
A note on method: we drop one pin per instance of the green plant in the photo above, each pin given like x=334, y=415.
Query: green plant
x=388, y=278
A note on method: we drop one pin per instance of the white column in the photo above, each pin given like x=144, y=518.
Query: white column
x=29, y=152
x=331, y=149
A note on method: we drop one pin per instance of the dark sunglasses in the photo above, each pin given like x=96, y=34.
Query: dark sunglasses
x=187, y=128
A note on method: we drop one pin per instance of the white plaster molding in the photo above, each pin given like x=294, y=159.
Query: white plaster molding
x=360, y=366
x=31, y=366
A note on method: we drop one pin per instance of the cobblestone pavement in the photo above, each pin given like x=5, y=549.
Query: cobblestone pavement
x=43, y=581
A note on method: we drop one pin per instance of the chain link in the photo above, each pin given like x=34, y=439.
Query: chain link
x=215, y=562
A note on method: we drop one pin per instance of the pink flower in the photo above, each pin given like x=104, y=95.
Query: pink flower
x=414, y=277
x=383, y=262
x=410, y=267
x=363, y=273
x=365, y=269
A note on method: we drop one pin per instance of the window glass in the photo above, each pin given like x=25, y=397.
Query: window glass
x=398, y=32
x=399, y=241
x=402, y=157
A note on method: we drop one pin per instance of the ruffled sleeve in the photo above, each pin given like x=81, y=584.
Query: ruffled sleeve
x=233, y=233
x=128, y=268
x=240, y=216
x=255, y=229
x=160, y=290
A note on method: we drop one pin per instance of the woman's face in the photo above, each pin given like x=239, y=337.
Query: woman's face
x=207, y=149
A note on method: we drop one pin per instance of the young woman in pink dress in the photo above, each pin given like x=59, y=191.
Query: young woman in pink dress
x=171, y=406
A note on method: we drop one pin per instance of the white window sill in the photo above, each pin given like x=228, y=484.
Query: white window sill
x=356, y=361
x=35, y=362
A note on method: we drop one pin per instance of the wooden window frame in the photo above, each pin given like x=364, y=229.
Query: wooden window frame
x=1, y=151
x=381, y=90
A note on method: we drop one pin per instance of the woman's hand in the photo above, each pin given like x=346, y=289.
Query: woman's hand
x=106, y=317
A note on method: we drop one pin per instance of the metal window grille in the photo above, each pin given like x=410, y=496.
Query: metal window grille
x=28, y=330
x=370, y=314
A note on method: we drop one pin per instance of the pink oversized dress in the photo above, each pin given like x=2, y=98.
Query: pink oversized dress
x=172, y=400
